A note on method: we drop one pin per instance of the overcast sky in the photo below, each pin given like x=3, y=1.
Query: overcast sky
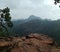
x=24, y=8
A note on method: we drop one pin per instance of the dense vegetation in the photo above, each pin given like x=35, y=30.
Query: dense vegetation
x=5, y=21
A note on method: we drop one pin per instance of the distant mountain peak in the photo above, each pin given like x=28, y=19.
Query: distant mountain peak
x=32, y=17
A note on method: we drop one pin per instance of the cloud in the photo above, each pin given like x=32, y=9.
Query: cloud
x=24, y=8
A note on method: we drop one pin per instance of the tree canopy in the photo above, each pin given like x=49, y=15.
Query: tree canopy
x=56, y=1
x=5, y=21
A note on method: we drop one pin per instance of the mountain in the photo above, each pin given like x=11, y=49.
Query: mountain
x=37, y=25
x=22, y=21
x=32, y=17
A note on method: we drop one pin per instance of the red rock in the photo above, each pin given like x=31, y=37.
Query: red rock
x=31, y=43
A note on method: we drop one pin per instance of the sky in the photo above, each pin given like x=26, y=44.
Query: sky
x=22, y=9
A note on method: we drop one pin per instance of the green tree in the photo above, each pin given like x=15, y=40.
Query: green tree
x=5, y=21
x=56, y=1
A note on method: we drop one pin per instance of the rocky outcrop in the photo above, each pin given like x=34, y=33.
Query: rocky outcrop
x=31, y=43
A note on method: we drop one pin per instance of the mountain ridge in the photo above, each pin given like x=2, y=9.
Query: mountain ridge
x=44, y=26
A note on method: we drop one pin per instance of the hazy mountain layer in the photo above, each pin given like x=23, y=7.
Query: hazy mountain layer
x=37, y=25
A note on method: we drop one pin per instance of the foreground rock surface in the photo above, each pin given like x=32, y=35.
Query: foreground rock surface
x=31, y=43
